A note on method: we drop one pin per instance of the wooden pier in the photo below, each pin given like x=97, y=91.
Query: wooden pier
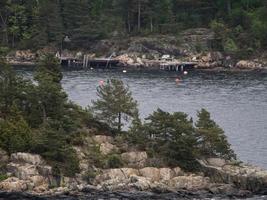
x=88, y=63
x=178, y=66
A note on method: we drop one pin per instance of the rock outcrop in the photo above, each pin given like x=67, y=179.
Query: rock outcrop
x=4, y=158
x=135, y=159
x=248, y=64
x=27, y=172
x=150, y=178
x=105, y=144
x=242, y=176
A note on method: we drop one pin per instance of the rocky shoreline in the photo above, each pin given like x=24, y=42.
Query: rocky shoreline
x=30, y=175
x=191, y=45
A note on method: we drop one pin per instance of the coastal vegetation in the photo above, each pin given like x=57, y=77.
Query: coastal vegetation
x=37, y=117
x=240, y=25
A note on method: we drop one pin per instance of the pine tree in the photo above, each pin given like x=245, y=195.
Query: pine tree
x=15, y=133
x=115, y=104
x=52, y=98
x=173, y=138
x=211, y=138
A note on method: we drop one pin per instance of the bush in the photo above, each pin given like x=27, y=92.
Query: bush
x=3, y=177
x=90, y=175
x=114, y=161
x=230, y=45
x=15, y=135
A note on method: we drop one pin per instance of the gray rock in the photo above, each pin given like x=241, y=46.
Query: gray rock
x=135, y=159
x=27, y=158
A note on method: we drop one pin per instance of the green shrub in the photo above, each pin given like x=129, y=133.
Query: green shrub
x=230, y=45
x=3, y=177
x=90, y=175
x=15, y=135
x=114, y=161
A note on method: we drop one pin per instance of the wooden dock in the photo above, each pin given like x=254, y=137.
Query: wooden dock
x=177, y=66
x=88, y=63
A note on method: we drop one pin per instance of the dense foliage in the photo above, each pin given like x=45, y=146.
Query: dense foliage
x=35, y=23
x=173, y=138
x=37, y=117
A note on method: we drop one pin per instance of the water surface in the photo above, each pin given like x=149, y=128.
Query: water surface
x=237, y=101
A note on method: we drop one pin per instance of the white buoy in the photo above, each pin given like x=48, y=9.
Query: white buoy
x=185, y=72
x=124, y=71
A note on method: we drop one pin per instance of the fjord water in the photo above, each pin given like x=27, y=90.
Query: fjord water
x=236, y=100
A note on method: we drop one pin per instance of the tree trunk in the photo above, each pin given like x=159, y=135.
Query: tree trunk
x=229, y=7
x=119, y=123
x=129, y=22
x=139, y=16
x=151, y=24
x=13, y=40
x=5, y=35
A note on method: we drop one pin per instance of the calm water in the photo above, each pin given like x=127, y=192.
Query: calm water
x=237, y=101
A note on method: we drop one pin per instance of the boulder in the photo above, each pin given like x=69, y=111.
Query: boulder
x=150, y=172
x=140, y=183
x=99, y=139
x=166, y=174
x=178, y=171
x=13, y=184
x=44, y=170
x=119, y=174
x=190, y=182
x=22, y=171
x=3, y=157
x=135, y=159
x=38, y=180
x=246, y=64
x=27, y=158
x=216, y=162
x=107, y=148
x=242, y=176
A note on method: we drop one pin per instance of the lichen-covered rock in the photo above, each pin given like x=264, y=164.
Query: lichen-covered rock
x=3, y=157
x=107, y=148
x=13, y=184
x=120, y=174
x=178, y=171
x=190, y=182
x=246, y=64
x=166, y=174
x=151, y=173
x=217, y=162
x=22, y=171
x=242, y=176
x=27, y=158
x=135, y=159
x=99, y=139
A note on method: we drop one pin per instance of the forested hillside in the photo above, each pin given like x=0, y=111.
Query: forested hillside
x=36, y=23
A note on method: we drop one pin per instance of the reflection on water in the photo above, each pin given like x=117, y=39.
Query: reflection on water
x=237, y=101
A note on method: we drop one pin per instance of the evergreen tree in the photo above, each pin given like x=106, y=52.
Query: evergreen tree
x=115, y=104
x=211, y=138
x=52, y=98
x=173, y=138
x=15, y=134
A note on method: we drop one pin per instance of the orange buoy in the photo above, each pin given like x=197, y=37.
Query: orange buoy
x=101, y=82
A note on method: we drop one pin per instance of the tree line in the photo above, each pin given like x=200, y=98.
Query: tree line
x=36, y=23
